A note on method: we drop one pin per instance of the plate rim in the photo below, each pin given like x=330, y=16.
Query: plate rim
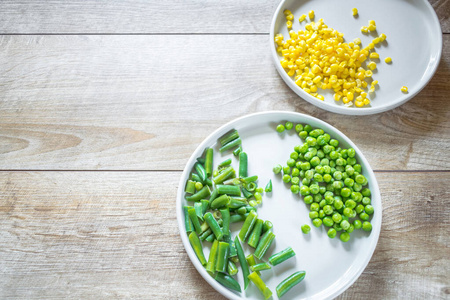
x=331, y=107
x=224, y=128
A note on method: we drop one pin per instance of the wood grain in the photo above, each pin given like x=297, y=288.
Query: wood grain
x=139, y=16
x=146, y=102
x=114, y=235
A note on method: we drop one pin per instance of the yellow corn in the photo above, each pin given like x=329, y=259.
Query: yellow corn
x=374, y=55
x=337, y=96
x=289, y=24
x=364, y=29
x=320, y=97
x=311, y=14
x=388, y=60
x=287, y=12
x=368, y=73
x=357, y=41
x=372, y=65
x=302, y=18
x=354, y=11
x=290, y=17
x=382, y=37
x=404, y=89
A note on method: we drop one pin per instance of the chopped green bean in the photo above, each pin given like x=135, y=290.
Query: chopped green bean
x=246, y=193
x=232, y=144
x=190, y=187
x=251, y=261
x=254, y=277
x=289, y=283
x=197, y=246
x=256, y=233
x=222, y=257
x=228, y=282
x=264, y=244
x=238, y=218
x=211, y=265
x=202, y=194
x=230, y=190
x=228, y=137
x=237, y=151
x=226, y=220
x=213, y=225
x=237, y=202
x=280, y=257
x=213, y=195
x=225, y=174
x=266, y=226
x=268, y=188
x=260, y=267
x=243, y=165
x=205, y=206
x=221, y=201
x=209, y=161
x=232, y=270
x=201, y=171
x=205, y=234
x=210, y=238
x=187, y=220
x=193, y=216
x=232, y=249
x=248, y=226
x=242, y=261
x=226, y=162
x=250, y=179
x=198, y=210
x=251, y=186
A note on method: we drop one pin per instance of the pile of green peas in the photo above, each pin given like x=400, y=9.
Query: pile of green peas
x=329, y=179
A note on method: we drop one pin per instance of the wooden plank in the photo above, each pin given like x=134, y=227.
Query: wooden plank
x=114, y=234
x=228, y=16
x=146, y=102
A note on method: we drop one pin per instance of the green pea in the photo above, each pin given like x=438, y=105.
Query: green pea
x=317, y=177
x=345, y=192
x=198, y=186
x=359, y=209
x=295, y=188
x=311, y=141
x=348, y=211
x=351, y=229
x=321, y=140
x=360, y=179
x=350, y=203
x=315, y=161
x=334, y=155
x=295, y=172
x=317, y=222
x=341, y=162
x=303, y=134
x=349, y=170
x=331, y=233
x=308, y=128
x=338, y=184
x=344, y=153
x=298, y=127
x=288, y=125
x=337, y=175
x=306, y=229
x=338, y=204
x=314, y=189
x=345, y=237
x=294, y=155
x=327, y=209
x=305, y=166
x=345, y=224
x=306, y=181
x=332, y=164
x=337, y=218
x=366, y=201
x=330, y=187
x=290, y=162
x=308, y=199
x=308, y=156
x=356, y=196
x=322, y=203
x=280, y=128
x=351, y=152
x=295, y=180
x=337, y=227
x=322, y=189
x=313, y=215
x=304, y=190
x=366, y=226
x=319, y=169
x=301, y=174
x=314, y=207
x=329, y=199
x=351, y=161
x=327, y=177
x=328, y=221
x=363, y=216
x=366, y=192
x=334, y=143
x=369, y=209
x=303, y=148
x=357, y=224
x=286, y=170
x=357, y=187
x=357, y=168
x=327, y=149
x=321, y=214
x=317, y=198
x=277, y=169
x=345, y=176
x=286, y=178
x=320, y=154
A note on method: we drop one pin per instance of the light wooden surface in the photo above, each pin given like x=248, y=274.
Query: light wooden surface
x=103, y=102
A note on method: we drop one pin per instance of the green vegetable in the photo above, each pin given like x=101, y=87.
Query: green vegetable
x=190, y=187
x=230, y=190
x=232, y=269
x=264, y=244
x=225, y=163
x=237, y=151
x=345, y=236
x=228, y=282
x=254, y=277
x=187, y=220
x=198, y=210
x=228, y=137
x=202, y=194
x=256, y=233
x=242, y=262
x=248, y=226
x=243, y=165
x=289, y=283
x=306, y=229
x=213, y=225
x=266, y=226
x=277, y=169
x=194, y=219
x=260, y=267
x=280, y=128
x=211, y=265
x=209, y=161
x=366, y=226
x=225, y=174
x=222, y=257
x=226, y=220
x=197, y=246
x=221, y=201
x=230, y=145
x=280, y=257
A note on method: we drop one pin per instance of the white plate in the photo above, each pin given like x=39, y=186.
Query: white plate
x=414, y=41
x=331, y=266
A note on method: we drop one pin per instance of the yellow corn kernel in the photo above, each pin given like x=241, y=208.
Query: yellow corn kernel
x=364, y=29
x=304, y=85
x=291, y=72
x=315, y=69
x=372, y=65
x=376, y=40
x=372, y=22
x=302, y=18
x=320, y=97
x=363, y=94
x=404, y=89
x=372, y=27
x=354, y=11
x=314, y=88
x=289, y=24
x=307, y=90
x=350, y=96
x=311, y=14
x=279, y=49
x=372, y=89
x=290, y=17
x=368, y=73
x=337, y=96
x=382, y=37
x=345, y=100
x=366, y=101
x=374, y=83
x=317, y=79
x=374, y=55
x=388, y=60
x=357, y=41
x=359, y=103
x=287, y=12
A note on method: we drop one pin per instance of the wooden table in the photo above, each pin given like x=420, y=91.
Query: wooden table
x=103, y=102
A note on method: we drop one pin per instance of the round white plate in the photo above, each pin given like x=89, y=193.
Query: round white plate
x=331, y=266
x=414, y=41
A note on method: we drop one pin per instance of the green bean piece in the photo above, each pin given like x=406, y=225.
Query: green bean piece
x=210, y=238
x=197, y=246
x=228, y=282
x=281, y=256
x=237, y=202
x=221, y=201
x=260, y=267
x=228, y=137
x=231, y=268
x=242, y=261
x=232, y=144
x=205, y=206
x=204, y=226
x=201, y=160
x=193, y=216
x=238, y=218
x=266, y=226
x=190, y=187
x=202, y=194
x=205, y=234
x=251, y=261
x=213, y=195
x=267, y=293
x=248, y=226
x=231, y=190
x=198, y=210
x=226, y=220
x=222, y=257
x=243, y=165
x=208, y=182
x=201, y=171
x=217, y=215
x=289, y=283
x=226, y=162
x=209, y=161
x=241, y=210
x=232, y=249
x=237, y=151
x=251, y=186
x=187, y=220
x=196, y=178
x=213, y=225
x=250, y=179
x=264, y=244
x=268, y=188
x=211, y=265
x=256, y=233
x=225, y=174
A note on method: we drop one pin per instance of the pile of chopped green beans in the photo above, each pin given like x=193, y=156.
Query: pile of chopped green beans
x=330, y=180
x=223, y=196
